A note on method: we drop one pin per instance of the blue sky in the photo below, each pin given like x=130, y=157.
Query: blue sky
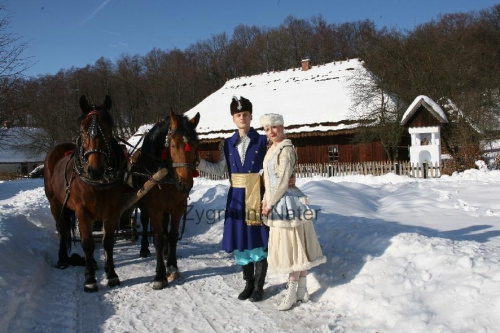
x=67, y=33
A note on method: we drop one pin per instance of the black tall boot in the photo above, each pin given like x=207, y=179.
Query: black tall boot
x=249, y=277
x=260, y=278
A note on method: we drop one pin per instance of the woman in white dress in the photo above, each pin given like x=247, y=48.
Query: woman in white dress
x=293, y=244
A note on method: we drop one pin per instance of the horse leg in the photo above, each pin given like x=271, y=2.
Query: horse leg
x=63, y=261
x=133, y=223
x=173, y=236
x=108, y=243
x=88, y=246
x=160, y=279
x=63, y=224
x=144, y=252
x=166, y=222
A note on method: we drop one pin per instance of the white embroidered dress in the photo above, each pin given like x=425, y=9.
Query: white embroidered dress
x=293, y=244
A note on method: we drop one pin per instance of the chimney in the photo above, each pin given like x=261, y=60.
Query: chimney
x=306, y=64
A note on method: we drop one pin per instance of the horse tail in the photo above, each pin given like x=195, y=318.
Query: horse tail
x=72, y=226
x=68, y=230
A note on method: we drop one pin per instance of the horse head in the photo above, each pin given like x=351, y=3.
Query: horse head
x=182, y=140
x=96, y=126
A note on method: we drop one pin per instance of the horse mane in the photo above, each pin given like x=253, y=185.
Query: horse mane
x=188, y=130
x=154, y=141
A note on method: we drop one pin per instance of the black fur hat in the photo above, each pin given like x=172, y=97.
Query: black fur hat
x=240, y=105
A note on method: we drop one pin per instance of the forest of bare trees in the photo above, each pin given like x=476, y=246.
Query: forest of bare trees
x=454, y=59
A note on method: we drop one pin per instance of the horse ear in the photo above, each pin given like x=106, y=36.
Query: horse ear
x=84, y=105
x=107, y=103
x=195, y=120
x=173, y=120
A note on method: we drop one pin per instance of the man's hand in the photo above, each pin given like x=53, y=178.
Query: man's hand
x=292, y=180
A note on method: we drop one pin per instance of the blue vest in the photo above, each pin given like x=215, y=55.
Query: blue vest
x=237, y=234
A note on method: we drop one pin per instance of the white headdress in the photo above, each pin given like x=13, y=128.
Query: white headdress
x=271, y=119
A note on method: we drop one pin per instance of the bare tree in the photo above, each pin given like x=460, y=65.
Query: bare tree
x=12, y=66
x=455, y=58
x=129, y=91
x=377, y=111
x=245, y=53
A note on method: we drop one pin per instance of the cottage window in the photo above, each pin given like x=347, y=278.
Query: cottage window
x=333, y=153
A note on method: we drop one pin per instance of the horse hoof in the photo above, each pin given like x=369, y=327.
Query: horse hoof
x=113, y=282
x=158, y=285
x=90, y=287
x=173, y=274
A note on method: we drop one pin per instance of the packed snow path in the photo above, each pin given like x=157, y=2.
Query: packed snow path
x=404, y=255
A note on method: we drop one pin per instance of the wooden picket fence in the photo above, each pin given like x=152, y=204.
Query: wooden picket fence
x=425, y=170
x=212, y=177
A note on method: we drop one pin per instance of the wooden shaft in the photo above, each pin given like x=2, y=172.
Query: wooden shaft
x=148, y=185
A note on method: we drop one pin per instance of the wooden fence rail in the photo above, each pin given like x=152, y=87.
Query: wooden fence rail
x=425, y=170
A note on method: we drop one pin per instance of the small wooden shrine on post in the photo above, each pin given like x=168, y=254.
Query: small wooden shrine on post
x=424, y=119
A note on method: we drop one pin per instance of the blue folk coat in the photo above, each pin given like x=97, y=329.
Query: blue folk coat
x=237, y=234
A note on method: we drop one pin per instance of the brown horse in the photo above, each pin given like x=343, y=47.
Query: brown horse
x=86, y=179
x=172, y=144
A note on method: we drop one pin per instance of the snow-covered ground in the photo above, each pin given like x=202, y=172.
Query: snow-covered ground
x=404, y=255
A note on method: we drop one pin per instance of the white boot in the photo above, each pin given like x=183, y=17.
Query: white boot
x=290, y=296
x=302, y=294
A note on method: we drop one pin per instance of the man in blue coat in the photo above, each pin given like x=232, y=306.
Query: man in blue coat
x=244, y=235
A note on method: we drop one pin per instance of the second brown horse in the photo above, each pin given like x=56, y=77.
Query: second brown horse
x=172, y=144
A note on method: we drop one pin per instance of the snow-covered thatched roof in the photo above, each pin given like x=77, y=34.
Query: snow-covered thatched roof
x=316, y=100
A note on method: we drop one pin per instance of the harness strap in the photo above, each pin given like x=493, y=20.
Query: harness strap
x=68, y=183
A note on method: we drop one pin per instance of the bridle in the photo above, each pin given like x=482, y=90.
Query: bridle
x=188, y=148
x=93, y=131
x=174, y=165
x=111, y=175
